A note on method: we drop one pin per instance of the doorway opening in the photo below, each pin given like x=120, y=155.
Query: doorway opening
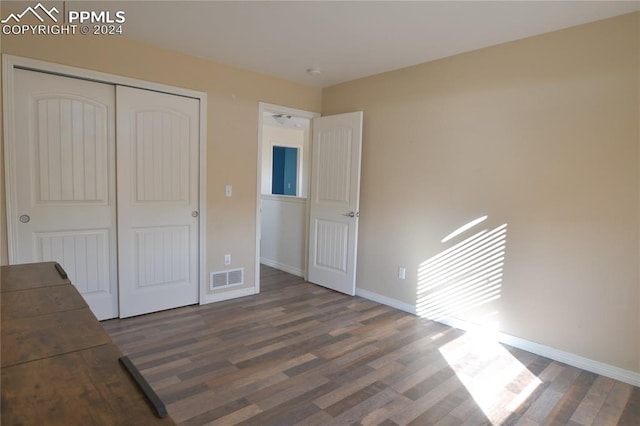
x=284, y=159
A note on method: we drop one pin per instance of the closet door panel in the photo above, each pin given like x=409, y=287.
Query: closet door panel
x=62, y=182
x=158, y=163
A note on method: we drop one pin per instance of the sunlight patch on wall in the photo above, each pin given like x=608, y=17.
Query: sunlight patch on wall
x=465, y=276
x=496, y=380
x=464, y=228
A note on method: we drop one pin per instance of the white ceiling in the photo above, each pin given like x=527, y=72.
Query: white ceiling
x=346, y=40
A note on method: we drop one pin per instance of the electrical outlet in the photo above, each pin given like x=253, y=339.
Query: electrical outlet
x=402, y=273
x=228, y=191
x=227, y=259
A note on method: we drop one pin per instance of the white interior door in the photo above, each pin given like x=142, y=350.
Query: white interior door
x=334, y=201
x=62, y=181
x=157, y=154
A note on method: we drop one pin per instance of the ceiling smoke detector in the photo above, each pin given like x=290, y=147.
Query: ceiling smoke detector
x=314, y=72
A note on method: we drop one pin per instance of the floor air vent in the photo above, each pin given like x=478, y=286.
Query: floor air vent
x=228, y=278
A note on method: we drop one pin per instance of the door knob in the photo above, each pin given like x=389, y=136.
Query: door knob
x=350, y=214
x=25, y=218
x=195, y=213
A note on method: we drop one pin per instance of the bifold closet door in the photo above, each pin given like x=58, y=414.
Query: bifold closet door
x=158, y=196
x=61, y=175
x=132, y=247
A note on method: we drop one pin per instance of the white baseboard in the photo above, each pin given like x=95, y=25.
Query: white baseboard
x=227, y=295
x=407, y=307
x=290, y=269
x=627, y=376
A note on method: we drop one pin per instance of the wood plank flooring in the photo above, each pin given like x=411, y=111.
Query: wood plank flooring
x=299, y=354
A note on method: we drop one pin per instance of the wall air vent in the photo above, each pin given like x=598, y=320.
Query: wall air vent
x=223, y=279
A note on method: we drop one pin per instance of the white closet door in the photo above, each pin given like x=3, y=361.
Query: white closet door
x=158, y=148
x=62, y=182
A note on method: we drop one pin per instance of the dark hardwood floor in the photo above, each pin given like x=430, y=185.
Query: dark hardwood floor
x=301, y=354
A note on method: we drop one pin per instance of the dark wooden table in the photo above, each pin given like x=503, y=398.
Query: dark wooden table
x=58, y=365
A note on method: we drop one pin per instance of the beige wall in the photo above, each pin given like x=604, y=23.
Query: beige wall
x=233, y=96
x=541, y=134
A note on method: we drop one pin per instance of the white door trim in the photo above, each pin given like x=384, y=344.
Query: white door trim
x=276, y=109
x=11, y=62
